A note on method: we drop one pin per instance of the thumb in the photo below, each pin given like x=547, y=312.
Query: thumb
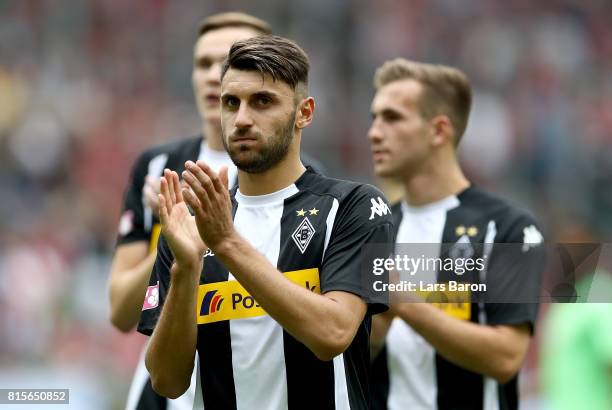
x=223, y=176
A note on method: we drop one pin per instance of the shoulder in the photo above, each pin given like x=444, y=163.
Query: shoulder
x=510, y=218
x=355, y=201
x=174, y=146
x=340, y=189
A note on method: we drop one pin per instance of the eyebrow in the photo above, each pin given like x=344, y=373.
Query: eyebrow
x=386, y=111
x=264, y=93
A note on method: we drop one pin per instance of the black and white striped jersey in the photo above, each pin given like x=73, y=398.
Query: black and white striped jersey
x=408, y=373
x=313, y=231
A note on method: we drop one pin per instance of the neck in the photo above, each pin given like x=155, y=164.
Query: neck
x=280, y=176
x=214, y=136
x=438, y=179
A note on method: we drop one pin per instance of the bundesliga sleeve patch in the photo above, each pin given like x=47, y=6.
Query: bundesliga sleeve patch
x=126, y=223
x=151, y=299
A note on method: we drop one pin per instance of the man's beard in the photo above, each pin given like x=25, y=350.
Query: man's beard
x=274, y=149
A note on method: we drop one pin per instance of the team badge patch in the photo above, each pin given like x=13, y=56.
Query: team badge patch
x=151, y=300
x=126, y=223
x=303, y=234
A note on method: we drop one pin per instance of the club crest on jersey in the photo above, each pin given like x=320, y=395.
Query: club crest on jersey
x=379, y=208
x=303, y=234
x=462, y=249
x=151, y=300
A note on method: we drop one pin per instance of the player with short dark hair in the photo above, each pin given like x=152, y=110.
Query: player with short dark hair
x=467, y=357
x=139, y=226
x=264, y=282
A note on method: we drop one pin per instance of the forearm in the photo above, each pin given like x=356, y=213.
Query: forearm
x=127, y=290
x=380, y=328
x=487, y=350
x=171, y=352
x=318, y=321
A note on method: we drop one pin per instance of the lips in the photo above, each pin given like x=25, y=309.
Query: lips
x=379, y=154
x=243, y=139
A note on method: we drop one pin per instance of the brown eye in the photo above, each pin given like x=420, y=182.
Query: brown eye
x=263, y=100
x=231, y=102
x=204, y=63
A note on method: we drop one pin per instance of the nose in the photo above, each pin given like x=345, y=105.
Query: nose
x=374, y=133
x=243, y=118
x=213, y=74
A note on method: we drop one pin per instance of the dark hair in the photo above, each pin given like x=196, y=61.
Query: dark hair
x=233, y=19
x=282, y=59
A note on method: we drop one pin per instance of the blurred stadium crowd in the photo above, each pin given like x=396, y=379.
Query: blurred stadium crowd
x=85, y=86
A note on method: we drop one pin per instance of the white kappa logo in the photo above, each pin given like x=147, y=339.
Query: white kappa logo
x=531, y=238
x=379, y=208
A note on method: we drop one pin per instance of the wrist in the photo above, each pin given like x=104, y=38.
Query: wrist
x=227, y=245
x=186, y=269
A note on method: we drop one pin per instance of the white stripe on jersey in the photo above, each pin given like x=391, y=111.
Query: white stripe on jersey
x=331, y=218
x=258, y=355
x=491, y=387
x=340, y=385
x=141, y=376
x=155, y=168
x=411, y=360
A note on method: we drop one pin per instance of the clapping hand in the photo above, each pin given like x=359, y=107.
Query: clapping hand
x=178, y=225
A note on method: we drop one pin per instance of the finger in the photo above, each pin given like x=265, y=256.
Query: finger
x=214, y=177
x=198, y=190
x=165, y=194
x=177, y=187
x=163, y=212
x=194, y=203
x=201, y=176
x=170, y=180
x=223, y=176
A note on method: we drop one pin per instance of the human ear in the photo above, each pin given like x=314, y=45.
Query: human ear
x=305, y=112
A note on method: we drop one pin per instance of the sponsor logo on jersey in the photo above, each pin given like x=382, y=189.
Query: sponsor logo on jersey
x=303, y=234
x=455, y=303
x=211, y=303
x=379, y=208
x=239, y=304
x=151, y=300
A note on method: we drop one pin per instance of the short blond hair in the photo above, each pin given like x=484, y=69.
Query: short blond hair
x=233, y=19
x=446, y=90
